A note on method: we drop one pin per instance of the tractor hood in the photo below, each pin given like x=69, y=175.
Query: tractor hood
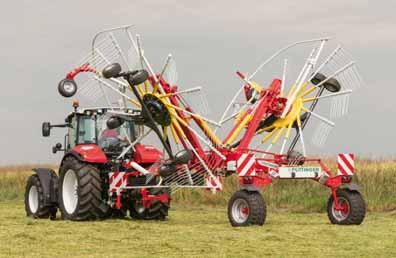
x=90, y=153
x=145, y=154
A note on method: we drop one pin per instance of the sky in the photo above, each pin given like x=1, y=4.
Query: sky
x=210, y=40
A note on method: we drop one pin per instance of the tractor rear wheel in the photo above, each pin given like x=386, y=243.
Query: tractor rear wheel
x=353, y=208
x=80, y=191
x=157, y=211
x=246, y=208
x=34, y=200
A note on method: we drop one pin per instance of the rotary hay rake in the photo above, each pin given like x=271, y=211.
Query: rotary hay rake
x=272, y=118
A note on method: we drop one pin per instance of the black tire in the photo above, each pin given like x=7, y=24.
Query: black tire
x=116, y=213
x=34, y=200
x=157, y=210
x=255, y=209
x=332, y=85
x=318, y=78
x=67, y=88
x=139, y=76
x=89, y=204
x=353, y=215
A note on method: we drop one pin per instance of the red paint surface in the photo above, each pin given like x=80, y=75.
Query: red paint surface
x=146, y=154
x=91, y=153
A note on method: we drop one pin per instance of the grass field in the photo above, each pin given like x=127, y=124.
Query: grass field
x=296, y=226
x=195, y=232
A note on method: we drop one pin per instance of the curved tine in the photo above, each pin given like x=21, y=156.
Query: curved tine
x=114, y=89
x=286, y=137
x=284, y=76
x=283, y=50
x=301, y=136
x=119, y=50
x=229, y=106
x=331, y=95
x=167, y=60
x=171, y=75
x=323, y=119
x=327, y=60
x=342, y=69
x=126, y=27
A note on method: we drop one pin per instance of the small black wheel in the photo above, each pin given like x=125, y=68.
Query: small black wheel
x=318, y=78
x=80, y=191
x=246, y=208
x=34, y=200
x=157, y=211
x=67, y=88
x=353, y=208
x=332, y=85
x=137, y=77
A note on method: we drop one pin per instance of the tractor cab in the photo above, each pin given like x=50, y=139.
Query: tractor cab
x=89, y=126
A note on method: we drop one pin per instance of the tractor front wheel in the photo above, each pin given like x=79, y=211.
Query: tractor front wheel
x=246, y=208
x=352, y=208
x=80, y=191
x=34, y=200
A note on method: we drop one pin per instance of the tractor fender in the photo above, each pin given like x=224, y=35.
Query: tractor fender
x=351, y=187
x=49, y=183
x=71, y=154
x=250, y=188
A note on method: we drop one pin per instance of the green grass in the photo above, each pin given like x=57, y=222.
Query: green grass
x=195, y=232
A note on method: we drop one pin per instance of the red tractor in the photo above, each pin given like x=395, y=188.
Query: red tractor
x=95, y=146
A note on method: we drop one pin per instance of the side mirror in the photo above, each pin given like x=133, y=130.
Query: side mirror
x=46, y=129
x=67, y=88
x=183, y=157
x=57, y=148
x=112, y=70
x=114, y=122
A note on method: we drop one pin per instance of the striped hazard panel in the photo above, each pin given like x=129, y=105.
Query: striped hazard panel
x=246, y=165
x=346, y=164
x=117, y=180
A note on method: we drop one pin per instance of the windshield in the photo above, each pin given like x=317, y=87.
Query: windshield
x=94, y=130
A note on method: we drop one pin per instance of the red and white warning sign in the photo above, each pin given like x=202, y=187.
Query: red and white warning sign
x=246, y=165
x=346, y=164
x=117, y=180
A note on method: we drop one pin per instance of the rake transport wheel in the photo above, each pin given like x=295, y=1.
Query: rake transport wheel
x=34, y=200
x=80, y=191
x=157, y=210
x=246, y=208
x=353, y=208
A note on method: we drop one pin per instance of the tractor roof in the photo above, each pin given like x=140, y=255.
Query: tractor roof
x=103, y=110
